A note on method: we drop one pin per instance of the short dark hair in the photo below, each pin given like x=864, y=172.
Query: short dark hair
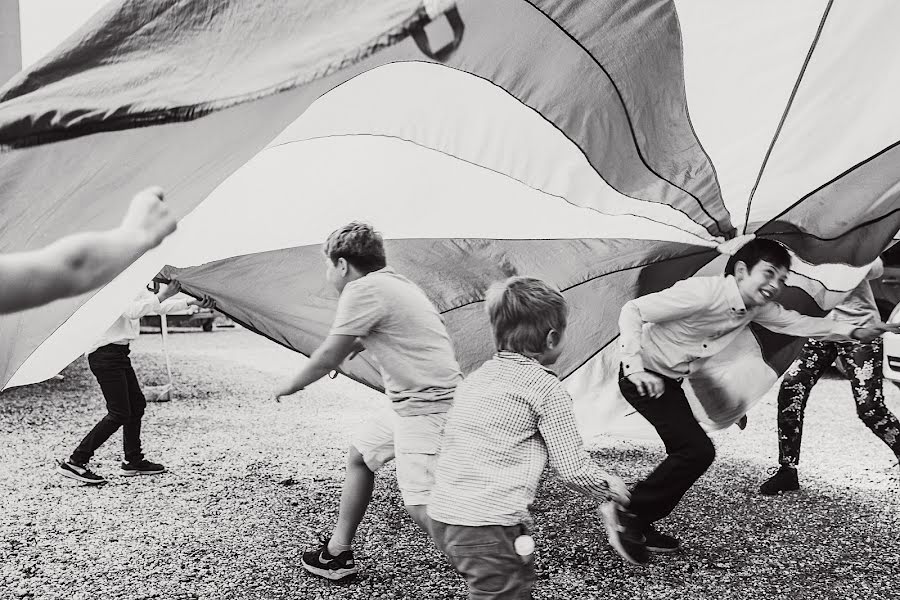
x=359, y=244
x=522, y=311
x=760, y=249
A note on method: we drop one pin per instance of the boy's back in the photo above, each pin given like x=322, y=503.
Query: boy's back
x=493, y=454
x=402, y=329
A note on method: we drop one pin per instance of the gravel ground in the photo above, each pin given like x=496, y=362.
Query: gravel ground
x=250, y=482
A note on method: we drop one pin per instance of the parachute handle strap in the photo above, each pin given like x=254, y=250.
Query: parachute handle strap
x=442, y=54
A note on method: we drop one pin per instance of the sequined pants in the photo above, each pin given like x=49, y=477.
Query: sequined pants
x=863, y=362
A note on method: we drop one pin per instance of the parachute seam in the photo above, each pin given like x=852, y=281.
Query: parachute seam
x=787, y=110
x=628, y=117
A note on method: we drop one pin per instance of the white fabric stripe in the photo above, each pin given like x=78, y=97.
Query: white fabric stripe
x=482, y=124
x=741, y=61
x=846, y=107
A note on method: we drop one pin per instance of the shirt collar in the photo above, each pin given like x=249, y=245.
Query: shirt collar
x=733, y=295
x=522, y=360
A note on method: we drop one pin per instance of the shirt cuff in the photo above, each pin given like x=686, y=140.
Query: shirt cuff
x=632, y=364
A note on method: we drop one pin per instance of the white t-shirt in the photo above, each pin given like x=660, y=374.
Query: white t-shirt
x=402, y=329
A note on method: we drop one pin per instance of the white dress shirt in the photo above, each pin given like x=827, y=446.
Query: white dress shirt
x=128, y=326
x=697, y=317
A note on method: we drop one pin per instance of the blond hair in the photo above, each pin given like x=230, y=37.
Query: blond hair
x=522, y=311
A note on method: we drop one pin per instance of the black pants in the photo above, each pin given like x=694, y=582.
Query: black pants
x=125, y=404
x=689, y=450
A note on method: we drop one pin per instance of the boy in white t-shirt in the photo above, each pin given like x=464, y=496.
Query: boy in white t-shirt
x=389, y=316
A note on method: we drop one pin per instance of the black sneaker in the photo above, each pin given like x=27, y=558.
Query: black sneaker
x=142, y=467
x=320, y=562
x=784, y=480
x=660, y=542
x=624, y=533
x=78, y=472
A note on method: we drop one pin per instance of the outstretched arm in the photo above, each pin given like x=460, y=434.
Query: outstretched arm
x=325, y=359
x=83, y=261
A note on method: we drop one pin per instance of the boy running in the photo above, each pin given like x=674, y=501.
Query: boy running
x=663, y=333
x=510, y=417
x=389, y=316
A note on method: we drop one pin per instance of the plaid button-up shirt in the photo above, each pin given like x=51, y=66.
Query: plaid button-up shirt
x=508, y=419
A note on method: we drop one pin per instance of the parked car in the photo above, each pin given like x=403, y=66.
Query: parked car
x=891, y=367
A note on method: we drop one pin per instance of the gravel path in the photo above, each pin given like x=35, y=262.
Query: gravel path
x=251, y=481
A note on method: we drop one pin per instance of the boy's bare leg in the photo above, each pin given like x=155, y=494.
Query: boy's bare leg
x=355, y=496
x=418, y=512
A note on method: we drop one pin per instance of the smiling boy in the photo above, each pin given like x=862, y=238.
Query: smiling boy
x=661, y=336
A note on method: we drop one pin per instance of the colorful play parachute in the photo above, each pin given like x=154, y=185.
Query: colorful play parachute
x=607, y=146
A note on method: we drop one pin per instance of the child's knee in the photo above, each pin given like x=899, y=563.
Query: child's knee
x=358, y=460
x=703, y=454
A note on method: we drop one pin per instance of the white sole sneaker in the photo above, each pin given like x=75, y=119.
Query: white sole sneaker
x=135, y=472
x=331, y=574
x=69, y=472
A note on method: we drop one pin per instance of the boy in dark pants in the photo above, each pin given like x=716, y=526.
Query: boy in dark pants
x=663, y=333
x=125, y=403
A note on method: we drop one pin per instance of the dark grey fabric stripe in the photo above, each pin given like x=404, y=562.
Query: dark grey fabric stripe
x=851, y=219
x=283, y=294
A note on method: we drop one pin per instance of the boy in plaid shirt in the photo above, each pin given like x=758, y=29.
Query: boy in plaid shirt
x=509, y=418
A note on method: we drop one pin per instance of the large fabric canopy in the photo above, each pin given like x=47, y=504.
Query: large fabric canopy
x=608, y=147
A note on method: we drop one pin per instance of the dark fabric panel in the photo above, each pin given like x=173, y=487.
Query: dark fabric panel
x=284, y=296
x=851, y=219
x=779, y=350
x=148, y=62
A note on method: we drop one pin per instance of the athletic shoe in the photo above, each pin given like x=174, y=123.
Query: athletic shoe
x=624, y=533
x=319, y=561
x=78, y=472
x=660, y=542
x=142, y=467
x=784, y=480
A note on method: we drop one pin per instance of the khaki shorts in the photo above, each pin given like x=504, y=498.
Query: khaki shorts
x=413, y=441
